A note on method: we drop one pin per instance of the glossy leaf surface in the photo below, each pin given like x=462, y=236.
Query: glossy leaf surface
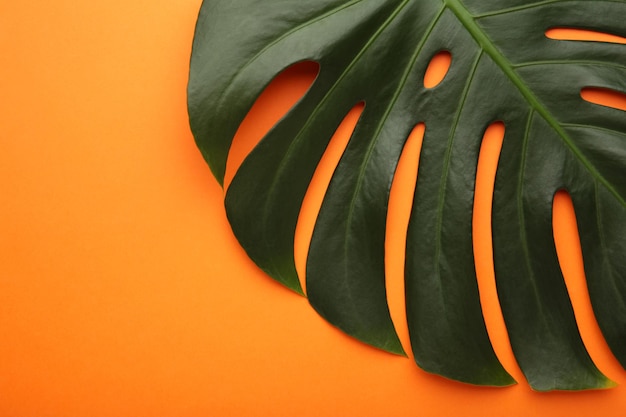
x=503, y=68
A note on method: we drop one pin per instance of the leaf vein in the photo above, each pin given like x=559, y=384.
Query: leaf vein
x=568, y=62
x=522, y=219
x=517, y=8
x=442, y=190
x=604, y=250
x=591, y=127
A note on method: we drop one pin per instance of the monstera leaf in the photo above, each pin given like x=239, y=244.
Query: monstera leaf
x=504, y=68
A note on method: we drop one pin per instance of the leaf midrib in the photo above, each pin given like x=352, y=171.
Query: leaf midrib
x=468, y=21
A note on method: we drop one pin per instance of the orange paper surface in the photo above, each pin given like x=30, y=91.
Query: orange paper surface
x=122, y=289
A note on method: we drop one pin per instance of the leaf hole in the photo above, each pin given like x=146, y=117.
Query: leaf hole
x=488, y=158
x=399, y=211
x=437, y=69
x=569, y=253
x=574, y=34
x=281, y=94
x=604, y=97
x=317, y=188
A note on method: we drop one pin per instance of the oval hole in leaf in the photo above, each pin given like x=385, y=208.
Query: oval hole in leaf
x=483, y=246
x=569, y=252
x=399, y=211
x=285, y=90
x=317, y=188
x=573, y=34
x=437, y=69
x=604, y=97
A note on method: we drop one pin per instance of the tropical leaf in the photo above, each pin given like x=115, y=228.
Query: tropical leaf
x=504, y=68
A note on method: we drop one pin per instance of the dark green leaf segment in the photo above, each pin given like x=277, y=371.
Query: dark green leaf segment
x=503, y=68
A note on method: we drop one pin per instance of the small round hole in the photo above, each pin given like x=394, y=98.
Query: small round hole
x=437, y=69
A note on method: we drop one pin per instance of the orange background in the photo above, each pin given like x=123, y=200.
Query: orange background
x=122, y=289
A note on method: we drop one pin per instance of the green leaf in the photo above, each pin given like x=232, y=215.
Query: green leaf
x=503, y=68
